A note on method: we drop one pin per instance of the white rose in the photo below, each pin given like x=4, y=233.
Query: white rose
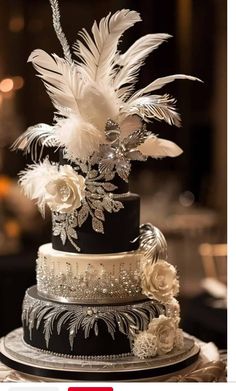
x=164, y=329
x=159, y=281
x=65, y=192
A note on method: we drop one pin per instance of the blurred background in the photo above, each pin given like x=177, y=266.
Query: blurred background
x=185, y=197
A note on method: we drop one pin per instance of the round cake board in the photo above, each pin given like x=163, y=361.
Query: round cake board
x=15, y=354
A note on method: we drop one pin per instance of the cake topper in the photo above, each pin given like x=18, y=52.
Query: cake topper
x=100, y=122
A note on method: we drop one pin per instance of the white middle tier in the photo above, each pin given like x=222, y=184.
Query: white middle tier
x=88, y=278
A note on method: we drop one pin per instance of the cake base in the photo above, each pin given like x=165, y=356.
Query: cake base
x=17, y=355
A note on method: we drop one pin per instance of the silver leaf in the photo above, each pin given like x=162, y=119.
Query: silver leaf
x=97, y=225
x=63, y=236
x=99, y=214
x=135, y=155
x=72, y=233
x=56, y=231
x=123, y=169
x=92, y=174
x=97, y=204
x=106, y=166
x=117, y=205
x=109, y=186
x=109, y=176
x=107, y=203
x=83, y=214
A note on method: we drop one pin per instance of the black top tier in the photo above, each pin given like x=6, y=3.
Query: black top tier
x=121, y=229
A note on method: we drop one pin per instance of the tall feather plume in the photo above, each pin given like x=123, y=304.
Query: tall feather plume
x=62, y=80
x=131, y=61
x=34, y=179
x=99, y=54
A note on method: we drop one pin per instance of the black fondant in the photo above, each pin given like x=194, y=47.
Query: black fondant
x=100, y=345
x=120, y=231
x=94, y=345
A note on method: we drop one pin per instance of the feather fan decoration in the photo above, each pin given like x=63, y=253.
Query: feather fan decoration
x=153, y=243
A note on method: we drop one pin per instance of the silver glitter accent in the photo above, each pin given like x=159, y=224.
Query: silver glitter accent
x=93, y=358
x=57, y=27
x=120, y=283
x=74, y=317
x=63, y=225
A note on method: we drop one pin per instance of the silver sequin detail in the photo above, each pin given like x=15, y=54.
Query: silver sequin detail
x=54, y=315
x=89, y=284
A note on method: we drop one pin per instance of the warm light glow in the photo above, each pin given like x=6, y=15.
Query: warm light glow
x=6, y=85
x=18, y=82
x=16, y=24
x=5, y=184
x=12, y=228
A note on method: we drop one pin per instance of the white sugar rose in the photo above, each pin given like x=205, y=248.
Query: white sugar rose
x=65, y=191
x=164, y=330
x=159, y=281
x=145, y=345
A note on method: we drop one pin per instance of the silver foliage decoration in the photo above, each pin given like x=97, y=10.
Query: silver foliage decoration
x=115, y=156
x=124, y=318
x=153, y=243
x=63, y=225
x=111, y=159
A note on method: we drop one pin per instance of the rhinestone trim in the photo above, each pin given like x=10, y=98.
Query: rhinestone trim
x=95, y=358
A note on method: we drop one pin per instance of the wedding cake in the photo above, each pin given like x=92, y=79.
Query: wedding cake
x=105, y=287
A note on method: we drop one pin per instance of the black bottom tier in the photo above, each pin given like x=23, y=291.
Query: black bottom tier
x=16, y=355
x=84, y=330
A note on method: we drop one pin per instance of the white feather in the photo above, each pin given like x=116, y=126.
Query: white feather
x=99, y=54
x=34, y=179
x=129, y=125
x=159, y=83
x=131, y=61
x=80, y=138
x=157, y=148
x=62, y=79
x=38, y=136
x=97, y=105
x=159, y=107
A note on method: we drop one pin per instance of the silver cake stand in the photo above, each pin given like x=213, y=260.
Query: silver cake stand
x=17, y=355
